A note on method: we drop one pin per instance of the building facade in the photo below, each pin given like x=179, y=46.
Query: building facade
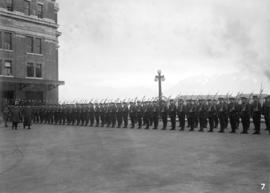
x=29, y=51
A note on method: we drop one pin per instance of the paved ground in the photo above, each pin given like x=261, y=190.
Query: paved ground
x=64, y=159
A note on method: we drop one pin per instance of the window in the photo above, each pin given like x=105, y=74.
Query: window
x=0, y=39
x=27, y=7
x=38, y=70
x=34, y=70
x=30, y=44
x=9, y=5
x=7, y=68
x=40, y=11
x=0, y=67
x=30, y=70
x=8, y=41
x=38, y=46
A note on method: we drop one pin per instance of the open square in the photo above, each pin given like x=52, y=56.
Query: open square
x=66, y=159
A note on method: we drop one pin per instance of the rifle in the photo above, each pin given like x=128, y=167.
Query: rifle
x=215, y=95
x=261, y=91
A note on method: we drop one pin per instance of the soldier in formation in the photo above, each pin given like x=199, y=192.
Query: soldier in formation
x=199, y=114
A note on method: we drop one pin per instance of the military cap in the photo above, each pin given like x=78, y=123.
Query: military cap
x=231, y=98
x=243, y=98
x=220, y=98
x=267, y=97
x=255, y=97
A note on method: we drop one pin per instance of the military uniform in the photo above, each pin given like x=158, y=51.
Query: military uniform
x=139, y=114
x=222, y=114
x=27, y=116
x=6, y=113
x=119, y=112
x=233, y=109
x=266, y=112
x=15, y=117
x=202, y=110
x=245, y=115
x=155, y=112
x=211, y=112
x=164, y=114
x=102, y=114
x=91, y=114
x=97, y=114
x=132, y=114
x=256, y=111
x=146, y=114
x=125, y=114
x=191, y=109
x=181, y=111
x=113, y=114
x=172, y=113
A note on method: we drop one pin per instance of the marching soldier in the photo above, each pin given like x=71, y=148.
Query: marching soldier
x=172, y=113
x=245, y=115
x=256, y=111
x=181, y=108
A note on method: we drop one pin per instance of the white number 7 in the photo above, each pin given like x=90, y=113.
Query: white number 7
x=263, y=186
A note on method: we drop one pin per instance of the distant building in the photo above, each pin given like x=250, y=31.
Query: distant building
x=29, y=50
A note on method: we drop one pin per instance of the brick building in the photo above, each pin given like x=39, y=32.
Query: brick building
x=29, y=50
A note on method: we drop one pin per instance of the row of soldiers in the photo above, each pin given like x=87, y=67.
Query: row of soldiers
x=199, y=113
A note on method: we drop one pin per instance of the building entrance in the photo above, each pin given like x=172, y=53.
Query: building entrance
x=34, y=96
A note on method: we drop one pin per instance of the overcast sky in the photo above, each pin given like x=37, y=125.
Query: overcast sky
x=113, y=48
